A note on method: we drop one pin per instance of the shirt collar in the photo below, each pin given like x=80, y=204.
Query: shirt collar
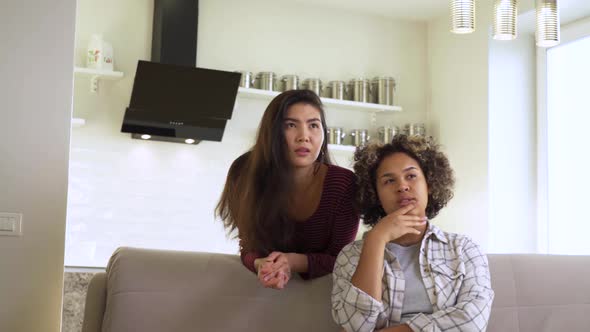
x=432, y=230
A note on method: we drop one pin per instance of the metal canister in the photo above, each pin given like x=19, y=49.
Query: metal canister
x=359, y=90
x=289, y=82
x=383, y=89
x=386, y=133
x=360, y=137
x=266, y=80
x=313, y=84
x=336, y=135
x=247, y=80
x=336, y=90
x=415, y=129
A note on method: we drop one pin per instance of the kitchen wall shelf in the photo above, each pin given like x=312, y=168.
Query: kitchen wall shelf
x=340, y=147
x=96, y=75
x=344, y=104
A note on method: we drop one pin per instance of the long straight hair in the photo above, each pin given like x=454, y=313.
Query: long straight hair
x=257, y=190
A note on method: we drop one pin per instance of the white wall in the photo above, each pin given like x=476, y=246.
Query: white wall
x=482, y=108
x=458, y=113
x=567, y=119
x=162, y=195
x=314, y=42
x=512, y=145
x=36, y=56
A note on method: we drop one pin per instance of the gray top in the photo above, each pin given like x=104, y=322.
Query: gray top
x=415, y=298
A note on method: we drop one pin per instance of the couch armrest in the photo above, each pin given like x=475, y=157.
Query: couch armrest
x=95, y=303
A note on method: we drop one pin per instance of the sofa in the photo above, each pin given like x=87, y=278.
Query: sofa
x=157, y=290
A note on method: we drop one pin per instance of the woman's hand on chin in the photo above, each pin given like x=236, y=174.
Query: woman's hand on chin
x=397, y=224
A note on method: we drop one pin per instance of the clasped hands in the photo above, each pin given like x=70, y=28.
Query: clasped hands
x=274, y=271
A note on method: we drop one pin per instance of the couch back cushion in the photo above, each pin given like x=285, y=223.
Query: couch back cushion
x=538, y=293
x=154, y=290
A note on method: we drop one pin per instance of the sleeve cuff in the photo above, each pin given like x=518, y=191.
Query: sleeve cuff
x=248, y=260
x=418, y=323
x=362, y=301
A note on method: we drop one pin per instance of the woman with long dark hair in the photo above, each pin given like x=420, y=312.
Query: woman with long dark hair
x=292, y=208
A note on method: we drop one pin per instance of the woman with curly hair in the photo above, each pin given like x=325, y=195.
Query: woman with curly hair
x=293, y=209
x=407, y=274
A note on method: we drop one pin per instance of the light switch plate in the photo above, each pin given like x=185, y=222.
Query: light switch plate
x=11, y=224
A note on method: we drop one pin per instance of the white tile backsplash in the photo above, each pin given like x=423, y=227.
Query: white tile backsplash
x=125, y=192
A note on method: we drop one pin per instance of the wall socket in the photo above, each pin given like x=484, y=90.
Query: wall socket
x=11, y=224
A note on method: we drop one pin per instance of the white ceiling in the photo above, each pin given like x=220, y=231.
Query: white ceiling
x=422, y=10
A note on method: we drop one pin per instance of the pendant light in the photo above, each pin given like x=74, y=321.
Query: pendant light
x=505, y=13
x=462, y=16
x=547, y=33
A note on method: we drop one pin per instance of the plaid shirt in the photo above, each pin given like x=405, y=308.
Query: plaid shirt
x=455, y=274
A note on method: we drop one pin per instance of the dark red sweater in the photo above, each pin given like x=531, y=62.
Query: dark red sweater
x=332, y=226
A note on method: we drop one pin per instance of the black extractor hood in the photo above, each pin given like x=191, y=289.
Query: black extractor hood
x=180, y=103
x=172, y=100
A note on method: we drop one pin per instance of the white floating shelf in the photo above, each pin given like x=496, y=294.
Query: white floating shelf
x=340, y=147
x=257, y=93
x=348, y=104
x=78, y=122
x=96, y=75
x=102, y=74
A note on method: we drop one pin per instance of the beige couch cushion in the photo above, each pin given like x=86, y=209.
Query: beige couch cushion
x=151, y=290
x=155, y=290
x=537, y=293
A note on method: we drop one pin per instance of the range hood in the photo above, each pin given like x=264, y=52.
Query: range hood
x=172, y=100
x=179, y=103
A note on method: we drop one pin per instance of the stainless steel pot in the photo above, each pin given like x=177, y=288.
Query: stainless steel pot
x=247, y=80
x=360, y=137
x=313, y=84
x=336, y=90
x=360, y=90
x=289, y=82
x=336, y=135
x=386, y=133
x=415, y=129
x=383, y=89
x=266, y=80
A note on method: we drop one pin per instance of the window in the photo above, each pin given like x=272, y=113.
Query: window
x=564, y=154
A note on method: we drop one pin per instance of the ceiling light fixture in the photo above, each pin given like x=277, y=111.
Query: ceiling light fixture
x=547, y=33
x=462, y=16
x=505, y=13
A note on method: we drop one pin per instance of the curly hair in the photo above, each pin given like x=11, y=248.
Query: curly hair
x=434, y=164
